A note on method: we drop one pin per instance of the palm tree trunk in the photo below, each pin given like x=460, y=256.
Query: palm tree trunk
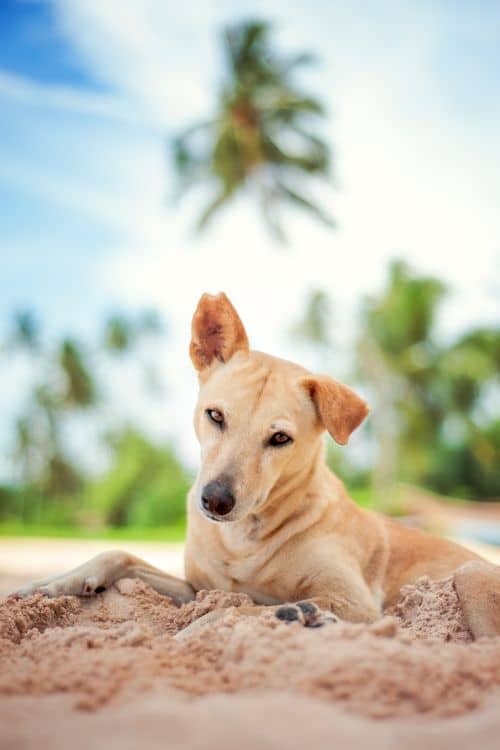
x=383, y=418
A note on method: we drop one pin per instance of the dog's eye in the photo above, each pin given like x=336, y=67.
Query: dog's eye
x=215, y=416
x=280, y=438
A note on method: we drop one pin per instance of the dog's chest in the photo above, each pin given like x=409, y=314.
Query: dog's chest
x=243, y=577
x=231, y=574
x=216, y=566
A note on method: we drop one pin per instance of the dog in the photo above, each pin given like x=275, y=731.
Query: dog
x=268, y=518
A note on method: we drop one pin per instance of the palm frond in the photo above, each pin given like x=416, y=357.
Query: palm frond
x=212, y=208
x=269, y=209
x=263, y=126
x=298, y=61
x=79, y=388
x=306, y=204
x=286, y=106
x=315, y=161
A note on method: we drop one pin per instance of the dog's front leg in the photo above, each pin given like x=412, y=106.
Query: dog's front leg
x=306, y=613
x=341, y=590
x=336, y=595
x=477, y=584
x=102, y=571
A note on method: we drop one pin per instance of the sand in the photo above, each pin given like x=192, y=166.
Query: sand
x=108, y=671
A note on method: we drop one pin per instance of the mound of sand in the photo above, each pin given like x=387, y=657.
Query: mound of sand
x=71, y=666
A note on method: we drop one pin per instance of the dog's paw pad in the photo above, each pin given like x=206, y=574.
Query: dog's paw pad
x=309, y=610
x=307, y=613
x=91, y=586
x=288, y=613
x=320, y=619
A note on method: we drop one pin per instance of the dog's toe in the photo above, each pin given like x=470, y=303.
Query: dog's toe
x=288, y=613
x=314, y=617
x=89, y=586
x=320, y=619
x=309, y=610
x=307, y=613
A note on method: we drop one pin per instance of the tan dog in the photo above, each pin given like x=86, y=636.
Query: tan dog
x=267, y=517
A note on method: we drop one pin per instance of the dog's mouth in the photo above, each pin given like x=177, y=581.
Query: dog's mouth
x=215, y=517
x=232, y=517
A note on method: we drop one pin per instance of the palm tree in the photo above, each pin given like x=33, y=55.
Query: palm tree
x=315, y=323
x=122, y=332
x=24, y=335
x=314, y=326
x=397, y=355
x=66, y=386
x=260, y=136
x=79, y=390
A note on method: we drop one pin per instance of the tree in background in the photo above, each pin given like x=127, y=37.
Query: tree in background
x=313, y=329
x=261, y=135
x=314, y=326
x=396, y=350
x=465, y=459
x=145, y=486
x=431, y=418
x=65, y=387
x=435, y=404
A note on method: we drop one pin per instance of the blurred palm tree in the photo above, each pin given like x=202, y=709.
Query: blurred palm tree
x=25, y=331
x=65, y=387
x=432, y=420
x=315, y=324
x=396, y=356
x=313, y=328
x=121, y=333
x=79, y=388
x=261, y=135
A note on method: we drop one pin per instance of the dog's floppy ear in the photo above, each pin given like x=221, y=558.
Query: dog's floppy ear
x=216, y=333
x=339, y=408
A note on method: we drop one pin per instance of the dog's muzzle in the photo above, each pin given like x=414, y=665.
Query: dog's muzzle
x=216, y=499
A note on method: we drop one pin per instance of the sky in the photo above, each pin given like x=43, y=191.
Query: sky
x=90, y=94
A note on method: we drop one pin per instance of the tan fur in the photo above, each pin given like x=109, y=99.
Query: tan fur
x=293, y=532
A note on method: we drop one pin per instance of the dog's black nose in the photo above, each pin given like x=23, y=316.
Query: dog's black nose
x=217, y=499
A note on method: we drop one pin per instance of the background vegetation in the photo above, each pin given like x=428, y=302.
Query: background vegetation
x=432, y=420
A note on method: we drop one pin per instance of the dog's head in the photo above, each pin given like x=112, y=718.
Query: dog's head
x=259, y=418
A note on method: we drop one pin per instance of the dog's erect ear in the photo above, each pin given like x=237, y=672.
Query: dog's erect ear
x=339, y=408
x=216, y=333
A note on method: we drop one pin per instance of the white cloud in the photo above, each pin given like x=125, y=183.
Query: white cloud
x=64, y=98
x=141, y=49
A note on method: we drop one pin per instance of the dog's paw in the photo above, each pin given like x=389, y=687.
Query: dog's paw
x=306, y=613
x=65, y=585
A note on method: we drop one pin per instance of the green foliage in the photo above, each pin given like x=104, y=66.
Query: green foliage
x=469, y=468
x=25, y=506
x=260, y=135
x=174, y=532
x=145, y=486
x=437, y=394
x=117, y=334
x=25, y=331
x=433, y=419
x=122, y=332
x=78, y=385
x=401, y=320
x=315, y=325
x=66, y=386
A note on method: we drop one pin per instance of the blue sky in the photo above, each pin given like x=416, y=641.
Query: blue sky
x=90, y=92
